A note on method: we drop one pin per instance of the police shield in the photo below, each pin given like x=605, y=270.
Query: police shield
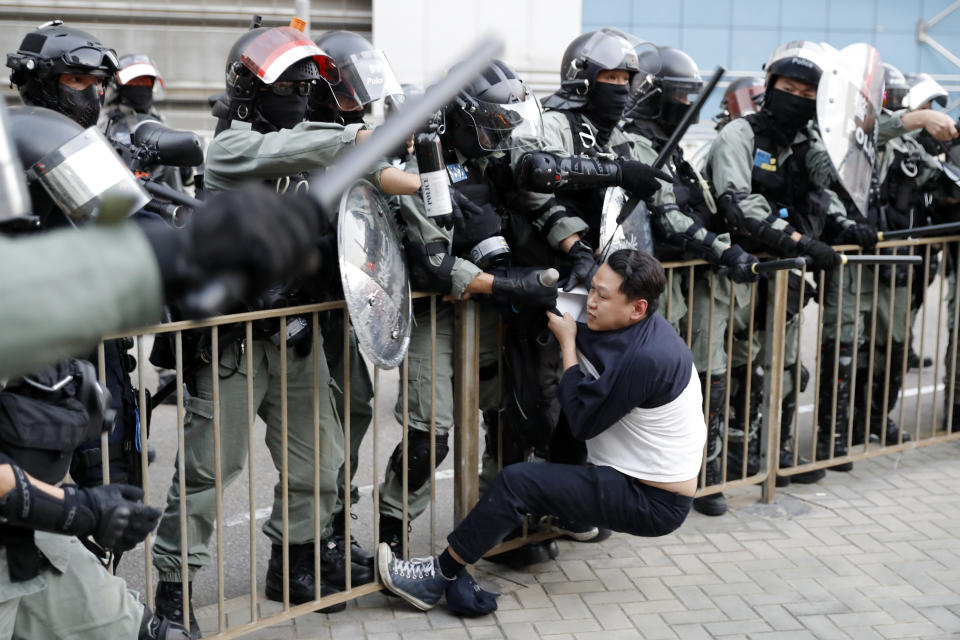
x=848, y=102
x=634, y=233
x=376, y=285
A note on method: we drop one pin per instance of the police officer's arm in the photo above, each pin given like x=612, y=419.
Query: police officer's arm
x=428, y=245
x=730, y=166
x=672, y=224
x=560, y=227
x=64, y=289
x=239, y=154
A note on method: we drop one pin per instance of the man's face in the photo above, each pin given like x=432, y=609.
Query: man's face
x=607, y=306
x=80, y=81
x=614, y=76
x=796, y=87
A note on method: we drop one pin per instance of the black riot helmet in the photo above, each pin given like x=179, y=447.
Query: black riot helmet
x=895, y=87
x=585, y=57
x=52, y=50
x=801, y=60
x=71, y=169
x=666, y=95
x=270, y=73
x=365, y=76
x=495, y=112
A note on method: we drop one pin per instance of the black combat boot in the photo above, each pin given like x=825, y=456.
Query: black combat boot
x=333, y=565
x=880, y=422
x=788, y=408
x=714, y=504
x=745, y=423
x=830, y=388
x=358, y=554
x=302, y=578
x=168, y=603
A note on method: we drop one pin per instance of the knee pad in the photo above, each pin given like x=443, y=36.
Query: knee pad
x=418, y=457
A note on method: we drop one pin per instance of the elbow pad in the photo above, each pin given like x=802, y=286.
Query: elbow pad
x=546, y=172
x=686, y=239
x=426, y=276
x=778, y=241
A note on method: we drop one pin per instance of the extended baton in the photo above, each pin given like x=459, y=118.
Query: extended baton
x=329, y=185
x=929, y=230
x=779, y=265
x=674, y=141
x=880, y=259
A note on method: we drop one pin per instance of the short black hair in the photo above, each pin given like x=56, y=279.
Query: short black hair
x=642, y=274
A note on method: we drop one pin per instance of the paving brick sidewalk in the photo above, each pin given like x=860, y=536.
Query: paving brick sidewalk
x=874, y=553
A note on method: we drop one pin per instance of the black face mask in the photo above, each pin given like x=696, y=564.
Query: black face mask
x=604, y=107
x=789, y=111
x=140, y=99
x=672, y=114
x=352, y=117
x=283, y=112
x=83, y=106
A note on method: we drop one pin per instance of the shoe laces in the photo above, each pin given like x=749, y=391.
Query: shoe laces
x=415, y=569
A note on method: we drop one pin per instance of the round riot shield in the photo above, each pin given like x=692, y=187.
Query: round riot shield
x=849, y=98
x=634, y=233
x=373, y=269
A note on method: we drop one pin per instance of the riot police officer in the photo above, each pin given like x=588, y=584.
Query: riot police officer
x=461, y=254
x=766, y=169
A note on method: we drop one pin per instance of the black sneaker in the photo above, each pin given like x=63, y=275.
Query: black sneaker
x=302, y=579
x=714, y=504
x=528, y=554
x=417, y=581
x=168, y=603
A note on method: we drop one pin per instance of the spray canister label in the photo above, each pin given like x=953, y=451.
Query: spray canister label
x=436, y=193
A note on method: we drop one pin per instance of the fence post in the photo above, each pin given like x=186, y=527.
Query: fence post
x=776, y=326
x=466, y=471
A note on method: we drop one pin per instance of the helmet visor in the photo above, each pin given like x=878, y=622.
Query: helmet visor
x=87, y=179
x=682, y=90
x=271, y=53
x=612, y=49
x=135, y=67
x=501, y=127
x=364, y=78
x=924, y=90
x=91, y=60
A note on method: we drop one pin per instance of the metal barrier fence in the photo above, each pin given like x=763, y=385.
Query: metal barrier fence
x=745, y=409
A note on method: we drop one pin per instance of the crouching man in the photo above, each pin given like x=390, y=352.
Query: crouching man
x=630, y=391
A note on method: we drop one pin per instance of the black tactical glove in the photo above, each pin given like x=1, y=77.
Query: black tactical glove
x=640, y=179
x=462, y=209
x=823, y=255
x=525, y=290
x=738, y=264
x=584, y=265
x=859, y=234
x=120, y=520
x=253, y=236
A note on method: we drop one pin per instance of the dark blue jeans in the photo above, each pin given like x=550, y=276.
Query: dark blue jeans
x=582, y=494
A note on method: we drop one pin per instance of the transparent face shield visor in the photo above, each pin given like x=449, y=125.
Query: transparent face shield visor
x=364, y=78
x=615, y=49
x=501, y=127
x=87, y=179
x=744, y=101
x=681, y=90
x=271, y=53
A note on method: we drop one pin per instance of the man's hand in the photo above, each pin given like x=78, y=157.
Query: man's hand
x=525, y=290
x=860, y=234
x=563, y=327
x=640, y=179
x=584, y=265
x=938, y=124
x=739, y=264
x=120, y=519
x=824, y=257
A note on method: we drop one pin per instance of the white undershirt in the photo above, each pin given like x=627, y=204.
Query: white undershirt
x=662, y=444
